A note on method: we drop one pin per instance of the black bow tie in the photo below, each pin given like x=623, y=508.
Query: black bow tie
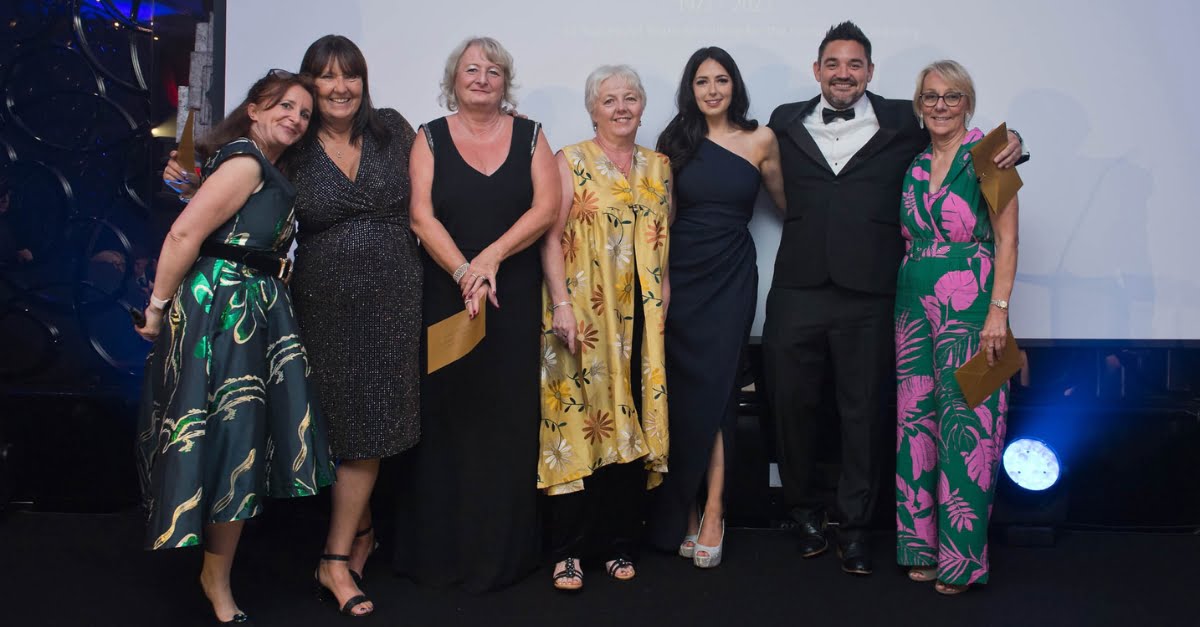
x=829, y=115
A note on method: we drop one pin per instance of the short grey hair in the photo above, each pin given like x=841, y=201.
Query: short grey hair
x=591, y=91
x=493, y=51
x=955, y=75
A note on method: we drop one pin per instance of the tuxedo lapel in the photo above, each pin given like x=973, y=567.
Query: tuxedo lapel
x=803, y=139
x=889, y=128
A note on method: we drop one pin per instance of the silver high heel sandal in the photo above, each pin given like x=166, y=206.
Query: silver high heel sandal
x=685, y=550
x=713, y=559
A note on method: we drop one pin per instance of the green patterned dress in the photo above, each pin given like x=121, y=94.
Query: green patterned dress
x=228, y=414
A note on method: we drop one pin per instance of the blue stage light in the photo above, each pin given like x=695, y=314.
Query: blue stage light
x=1031, y=464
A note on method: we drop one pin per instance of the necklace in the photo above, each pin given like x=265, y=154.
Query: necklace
x=331, y=142
x=609, y=152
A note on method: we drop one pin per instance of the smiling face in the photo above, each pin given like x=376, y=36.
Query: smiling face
x=618, y=110
x=712, y=88
x=479, y=82
x=941, y=119
x=843, y=72
x=283, y=124
x=339, y=94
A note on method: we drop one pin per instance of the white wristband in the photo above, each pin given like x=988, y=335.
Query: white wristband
x=159, y=303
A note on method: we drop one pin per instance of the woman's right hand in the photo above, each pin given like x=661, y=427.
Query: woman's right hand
x=565, y=326
x=150, y=330
x=185, y=183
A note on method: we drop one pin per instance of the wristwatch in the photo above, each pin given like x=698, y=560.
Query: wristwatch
x=1000, y=304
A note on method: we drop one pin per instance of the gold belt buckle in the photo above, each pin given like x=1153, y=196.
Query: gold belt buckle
x=285, y=269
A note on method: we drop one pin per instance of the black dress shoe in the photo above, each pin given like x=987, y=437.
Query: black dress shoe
x=856, y=557
x=812, y=539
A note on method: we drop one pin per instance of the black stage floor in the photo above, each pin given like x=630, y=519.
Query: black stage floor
x=87, y=569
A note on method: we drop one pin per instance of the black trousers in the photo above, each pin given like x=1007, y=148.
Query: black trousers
x=806, y=329
x=605, y=519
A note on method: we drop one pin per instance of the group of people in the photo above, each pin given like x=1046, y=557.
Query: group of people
x=610, y=358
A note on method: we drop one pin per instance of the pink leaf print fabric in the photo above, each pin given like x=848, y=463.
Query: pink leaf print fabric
x=957, y=288
x=957, y=218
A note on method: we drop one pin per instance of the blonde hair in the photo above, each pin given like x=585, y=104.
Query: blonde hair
x=955, y=75
x=591, y=90
x=492, y=51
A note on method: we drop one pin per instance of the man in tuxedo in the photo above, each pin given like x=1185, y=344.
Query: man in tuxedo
x=843, y=155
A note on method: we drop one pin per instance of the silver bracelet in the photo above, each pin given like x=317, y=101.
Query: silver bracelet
x=565, y=303
x=458, y=274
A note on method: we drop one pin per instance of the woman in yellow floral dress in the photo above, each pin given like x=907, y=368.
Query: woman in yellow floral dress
x=603, y=436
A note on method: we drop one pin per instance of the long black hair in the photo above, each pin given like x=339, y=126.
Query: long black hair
x=681, y=139
x=350, y=59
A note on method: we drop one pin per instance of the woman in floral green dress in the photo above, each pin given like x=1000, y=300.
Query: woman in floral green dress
x=951, y=303
x=228, y=415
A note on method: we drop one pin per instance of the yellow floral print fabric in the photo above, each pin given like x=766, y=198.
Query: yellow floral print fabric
x=616, y=227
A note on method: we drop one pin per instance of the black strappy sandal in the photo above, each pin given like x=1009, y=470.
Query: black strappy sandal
x=325, y=594
x=617, y=564
x=357, y=576
x=569, y=572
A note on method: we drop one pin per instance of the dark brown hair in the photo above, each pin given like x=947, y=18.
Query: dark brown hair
x=266, y=92
x=339, y=49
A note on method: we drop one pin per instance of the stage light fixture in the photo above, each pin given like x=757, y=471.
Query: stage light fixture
x=1031, y=464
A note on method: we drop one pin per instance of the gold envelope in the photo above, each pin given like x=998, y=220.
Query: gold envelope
x=978, y=381
x=998, y=186
x=185, y=154
x=451, y=339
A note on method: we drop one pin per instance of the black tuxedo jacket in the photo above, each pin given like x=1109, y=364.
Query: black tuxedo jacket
x=844, y=228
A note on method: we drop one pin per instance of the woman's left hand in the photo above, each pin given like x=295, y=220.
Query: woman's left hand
x=476, y=301
x=482, y=271
x=994, y=336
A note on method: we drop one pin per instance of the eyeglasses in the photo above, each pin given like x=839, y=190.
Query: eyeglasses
x=952, y=99
x=278, y=73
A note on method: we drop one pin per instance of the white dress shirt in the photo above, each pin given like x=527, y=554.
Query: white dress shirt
x=841, y=139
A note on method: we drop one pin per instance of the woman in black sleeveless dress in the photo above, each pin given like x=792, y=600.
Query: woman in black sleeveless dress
x=484, y=186
x=719, y=159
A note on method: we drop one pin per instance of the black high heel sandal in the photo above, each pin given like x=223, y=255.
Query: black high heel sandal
x=238, y=619
x=325, y=594
x=357, y=576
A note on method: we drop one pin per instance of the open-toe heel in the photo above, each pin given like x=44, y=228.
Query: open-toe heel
x=325, y=593
x=687, y=548
x=714, y=553
x=370, y=530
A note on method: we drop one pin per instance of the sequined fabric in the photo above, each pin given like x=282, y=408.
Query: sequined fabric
x=357, y=291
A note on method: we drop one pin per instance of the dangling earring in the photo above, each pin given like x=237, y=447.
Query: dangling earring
x=921, y=120
x=639, y=123
x=594, y=127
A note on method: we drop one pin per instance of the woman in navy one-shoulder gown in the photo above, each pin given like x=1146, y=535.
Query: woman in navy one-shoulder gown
x=719, y=160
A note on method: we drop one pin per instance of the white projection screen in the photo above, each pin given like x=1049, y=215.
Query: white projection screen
x=1100, y=90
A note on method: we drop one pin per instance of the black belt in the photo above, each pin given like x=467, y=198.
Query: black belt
x=268, y=263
